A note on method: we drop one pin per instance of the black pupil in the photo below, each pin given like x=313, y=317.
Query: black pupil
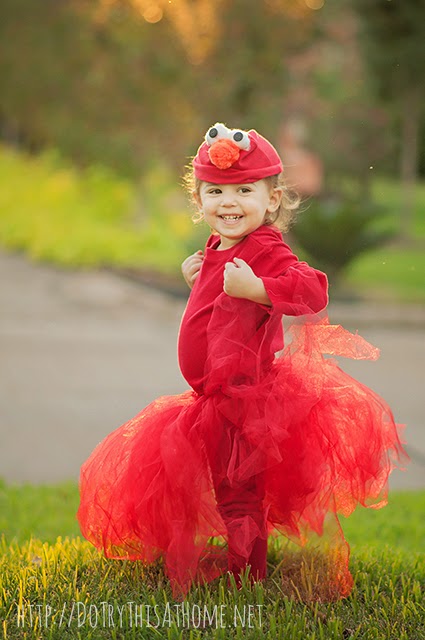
x=213, y=132
x=238, y=136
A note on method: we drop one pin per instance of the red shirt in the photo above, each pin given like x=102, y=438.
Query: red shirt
x=294, y=288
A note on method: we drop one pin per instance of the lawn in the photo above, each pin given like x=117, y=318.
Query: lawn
x=62, y=588
x=92, y=218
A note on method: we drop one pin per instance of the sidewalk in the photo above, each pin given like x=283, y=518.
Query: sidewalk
x=82, y=352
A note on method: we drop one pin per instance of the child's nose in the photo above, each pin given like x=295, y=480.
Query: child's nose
x=228, y=199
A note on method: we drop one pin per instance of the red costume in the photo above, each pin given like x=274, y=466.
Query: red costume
x=260, y=445
x=293, y=287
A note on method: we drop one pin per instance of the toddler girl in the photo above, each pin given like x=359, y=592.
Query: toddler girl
x=261, y=443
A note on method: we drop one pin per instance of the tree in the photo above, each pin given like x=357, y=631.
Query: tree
x=235, y=55
x=125, y=82
x=199, y=23
x=393, y=33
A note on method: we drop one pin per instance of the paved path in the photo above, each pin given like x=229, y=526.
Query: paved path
x=83, y=352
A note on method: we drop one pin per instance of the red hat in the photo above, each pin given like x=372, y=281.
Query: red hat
x=233, y=156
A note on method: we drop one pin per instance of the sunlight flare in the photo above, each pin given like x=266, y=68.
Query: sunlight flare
x=197, y=22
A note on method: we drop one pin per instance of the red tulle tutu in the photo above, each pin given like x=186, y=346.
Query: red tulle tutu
x=321, y=442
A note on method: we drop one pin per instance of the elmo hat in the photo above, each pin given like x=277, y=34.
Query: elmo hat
x=233, y=156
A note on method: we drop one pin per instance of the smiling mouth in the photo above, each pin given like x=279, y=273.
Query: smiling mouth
x=230, y=217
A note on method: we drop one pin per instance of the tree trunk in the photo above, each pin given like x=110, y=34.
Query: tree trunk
x=410, y=121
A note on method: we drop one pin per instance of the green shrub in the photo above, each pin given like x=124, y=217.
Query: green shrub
x=334, y=230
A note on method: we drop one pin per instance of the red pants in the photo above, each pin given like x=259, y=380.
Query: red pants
x=236, y=505
x=240, y=504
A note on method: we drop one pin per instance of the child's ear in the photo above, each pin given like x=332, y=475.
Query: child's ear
x=275, y=199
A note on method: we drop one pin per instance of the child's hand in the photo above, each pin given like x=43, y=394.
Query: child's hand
x=241, y=282
x=191, y=267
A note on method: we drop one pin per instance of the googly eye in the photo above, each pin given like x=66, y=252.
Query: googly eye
x=216, y=132
x=240, y=138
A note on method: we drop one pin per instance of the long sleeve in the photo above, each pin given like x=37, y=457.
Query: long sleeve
x=294, y=287
x=300, y=290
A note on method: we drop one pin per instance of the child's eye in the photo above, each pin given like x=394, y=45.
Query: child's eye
x=245, y=190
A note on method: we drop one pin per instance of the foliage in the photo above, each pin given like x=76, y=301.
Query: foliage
x=100, y=92
x=335, y=230
x=394, y=33
x=92, y=217
x=332, y=100
x=122, y=92
x=199, y=25
x=109, y=87
x=259, y=40
x=73, y=218
x=69, y=575
x=396, y=62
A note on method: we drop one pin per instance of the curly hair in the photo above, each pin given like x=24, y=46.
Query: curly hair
x=283, y=218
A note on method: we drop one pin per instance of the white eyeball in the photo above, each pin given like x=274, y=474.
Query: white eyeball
x=240, y=138
x=216, y=132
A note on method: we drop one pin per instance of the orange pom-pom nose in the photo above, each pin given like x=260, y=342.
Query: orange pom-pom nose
x=224, y=153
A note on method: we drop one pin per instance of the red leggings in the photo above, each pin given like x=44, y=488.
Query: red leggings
x=241, y=507
x=236, y=505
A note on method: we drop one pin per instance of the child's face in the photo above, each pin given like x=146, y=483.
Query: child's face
x=236, y=210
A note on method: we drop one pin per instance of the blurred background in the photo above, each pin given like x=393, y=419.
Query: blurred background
x=102, y=103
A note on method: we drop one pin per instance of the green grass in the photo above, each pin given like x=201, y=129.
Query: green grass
x=396, y=271
x=388, y=273
x=388, y=194
x=69, y=575
x=89, y=218
x=40, y=511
